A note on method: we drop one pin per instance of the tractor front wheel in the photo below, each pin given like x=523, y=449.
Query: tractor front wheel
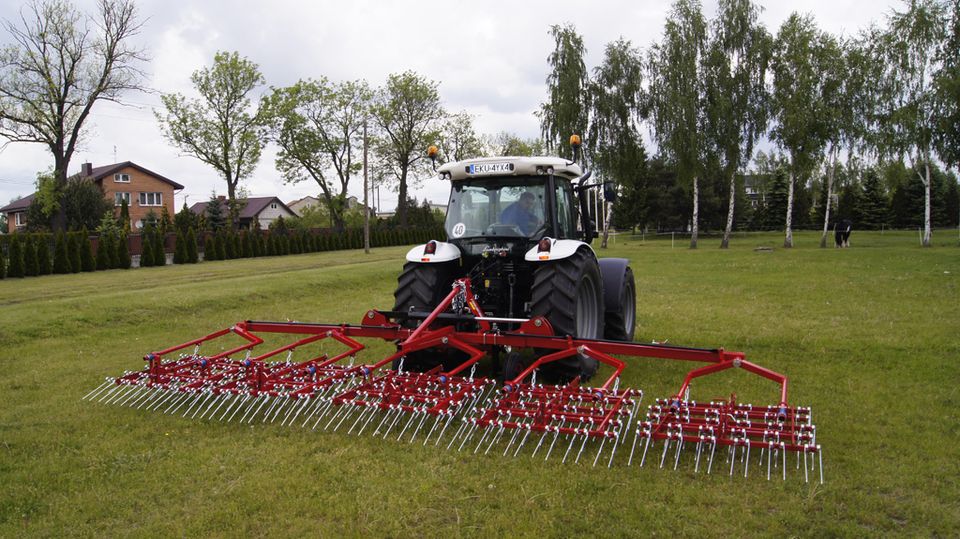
x=421, y=287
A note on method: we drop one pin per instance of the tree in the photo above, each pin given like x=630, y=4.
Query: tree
x=105, y=252
x=946, y=83
x=617, y=98
x=122, y=256
x=83, y=204
x=125, y=216
x=908, y=112
x=61, y=258
x=31, y=266
x=60, y=63
x=566, y=111
x=407, y=113
x=15, y=267
x=873, y=202
x=215, y=220
x=736, y=60
x=677, y=95
x=801, y=60
x=87, y=260
x=319, y=126
x=458, y=138
x=184, y=219
x=43, y=254
x=192, y=255
x=505, y=144
x=221, y=129
x=73, y=251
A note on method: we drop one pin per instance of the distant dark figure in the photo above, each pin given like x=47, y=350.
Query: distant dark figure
x=520, y=213
x=841, y=233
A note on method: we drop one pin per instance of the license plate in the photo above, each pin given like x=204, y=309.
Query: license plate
x=489, y=168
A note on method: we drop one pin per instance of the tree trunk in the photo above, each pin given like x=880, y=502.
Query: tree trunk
x=606, y=224
x=402, y=202
x=788, y=240
x=926, y=204
x=725, y=243
x=696, y=213
x=826, y=211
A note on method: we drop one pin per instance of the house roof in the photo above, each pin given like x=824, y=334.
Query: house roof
x=18, y=205
x=254, y=206
x=98, y=173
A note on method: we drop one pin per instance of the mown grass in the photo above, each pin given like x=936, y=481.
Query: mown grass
x=867, y=335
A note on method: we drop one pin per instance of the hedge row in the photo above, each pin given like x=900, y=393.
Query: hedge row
x=25, y=255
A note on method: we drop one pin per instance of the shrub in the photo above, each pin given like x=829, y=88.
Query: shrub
x=180, y=248
x=43, y=254
x=30, y=266
x=87, y=262
x=159, y=252
x=105, y=252
x=15, y=253
x=123, y=252
x=192, y=256
x=209, y=249
x=61, y=259
x=73, y=251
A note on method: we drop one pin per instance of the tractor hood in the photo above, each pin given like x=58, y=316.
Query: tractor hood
x=508, y=166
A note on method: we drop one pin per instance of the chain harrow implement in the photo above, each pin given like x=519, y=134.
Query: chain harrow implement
x=384, y=399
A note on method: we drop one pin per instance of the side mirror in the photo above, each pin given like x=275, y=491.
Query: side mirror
x=609, y=191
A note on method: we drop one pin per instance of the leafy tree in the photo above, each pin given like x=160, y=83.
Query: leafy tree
x=802, y=57
x=566, y=111
x=319, y=127
x=677, y=96
x=15, y=267
x=736, y=60
x=31, y=266
x=617, y=98
x=458, y=138
x=908, y=112
x=59, y=64
x=946, y=83
x=43, y=254
x=87, y=260
x=222, y=128
x=408, y=113
x=505, y=144
x=61, y=258
x=83, y=204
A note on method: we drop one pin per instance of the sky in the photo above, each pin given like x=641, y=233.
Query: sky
x=489, y=58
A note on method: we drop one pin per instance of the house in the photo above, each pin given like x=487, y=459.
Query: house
x=264, y=209
x=297, y=206
x=145, y=191
x=16, y=213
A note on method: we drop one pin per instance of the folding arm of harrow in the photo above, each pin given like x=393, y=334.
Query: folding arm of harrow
x=376, y=398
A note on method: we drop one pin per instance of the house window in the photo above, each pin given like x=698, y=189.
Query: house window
x=21, y=219
x=151, y=199
x=121, y=178
x=118, y=199
x=273, y=206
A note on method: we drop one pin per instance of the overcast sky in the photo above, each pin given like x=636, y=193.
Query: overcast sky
x=489, y=58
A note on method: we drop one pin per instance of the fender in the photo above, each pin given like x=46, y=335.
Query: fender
x=611, y=272
x=445, y=253
x=559, y=249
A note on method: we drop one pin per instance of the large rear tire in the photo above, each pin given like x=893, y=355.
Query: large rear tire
x=421, y=287
x=620, y=322
x=569, y=294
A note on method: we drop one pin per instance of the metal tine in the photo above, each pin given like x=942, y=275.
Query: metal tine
x=201, y=396
x=468, y=435
x=486, y=432
x=360, y=417
x=516, y=432
x=436, y=421
x=540, y=442
x=666, y=447
x=320, y=407
x=145, y=392
x=159, y=393
x=556, y=435
x=496, y=438
x=597, y=458
x=450, y=415
x=123, y=389
x=284, y=401
x=573, y=439
x=108, y=394
x=167, y=394
x=236, y=406
x=94, y=391
x=306, y=402
x=132, y=395
x=713, y=451
x=524, y=440
x=251, y=407
x=211, y=411
x=275, y=403
x=386, y=417
x=182, y=397
x=213, y=398
x=613, y=452
x=586, y=437
x=413, y=417
x=396, y=419
x=464, y=425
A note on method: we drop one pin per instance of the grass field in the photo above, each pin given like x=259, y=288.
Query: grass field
x=869, y=336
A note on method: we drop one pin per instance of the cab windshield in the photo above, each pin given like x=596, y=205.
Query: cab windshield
x=501, y=207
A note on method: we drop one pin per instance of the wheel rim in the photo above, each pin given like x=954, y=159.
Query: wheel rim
x=588, y=315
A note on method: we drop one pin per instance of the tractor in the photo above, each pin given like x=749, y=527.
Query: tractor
x=514, y=229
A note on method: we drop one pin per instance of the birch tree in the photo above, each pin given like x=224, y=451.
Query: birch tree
x=908, y=112
x=59, y=63
x=566, y=111
x=799, y=65
x=947, y=93
x=677, y=95
x=616, y=102
x=735, y=67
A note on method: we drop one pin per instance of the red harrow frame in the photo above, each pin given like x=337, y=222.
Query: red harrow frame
x=335, y=392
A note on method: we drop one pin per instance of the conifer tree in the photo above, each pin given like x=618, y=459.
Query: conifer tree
x=43, y=254
x=73, y=251
x=105, y=252
x=192, y=256
x=228, y=248
x=219, y=243
x=30, y=266
x=87, y=262
x=3, y=266
x=123, y=252
x=125, y=216
x=209, y=249
x=159, y=248
x=146, y=247
x=61, y=259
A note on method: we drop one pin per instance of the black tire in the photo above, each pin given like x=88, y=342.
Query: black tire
x=421, y=287
x=569, y=294
x=620, y=323
x=513, y=366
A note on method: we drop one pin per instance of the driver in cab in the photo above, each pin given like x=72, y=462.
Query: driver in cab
x=521, y=213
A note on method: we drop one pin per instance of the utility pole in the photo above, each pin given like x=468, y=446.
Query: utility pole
x=366, y=206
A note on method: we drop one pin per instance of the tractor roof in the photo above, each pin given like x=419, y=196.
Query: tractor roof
x=508, y=166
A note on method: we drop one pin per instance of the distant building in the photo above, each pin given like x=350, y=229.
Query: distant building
x=265, y=209
x=144, y=191
x=297, y=206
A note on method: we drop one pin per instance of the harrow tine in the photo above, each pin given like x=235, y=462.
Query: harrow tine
x=556, y=434
x=523, y=442
x=582, y=446
x=540, y=443
x=597, y=458
x=616, y=444
x=181, y=397
x=236, y=406
x=94, y=391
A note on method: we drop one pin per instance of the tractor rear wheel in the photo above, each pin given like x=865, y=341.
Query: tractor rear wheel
x=421, y=287
x=569, y=294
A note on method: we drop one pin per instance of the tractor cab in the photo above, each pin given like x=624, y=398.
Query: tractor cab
x=509, y=201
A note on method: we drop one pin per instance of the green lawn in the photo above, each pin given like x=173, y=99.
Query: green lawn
x=869, y=337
